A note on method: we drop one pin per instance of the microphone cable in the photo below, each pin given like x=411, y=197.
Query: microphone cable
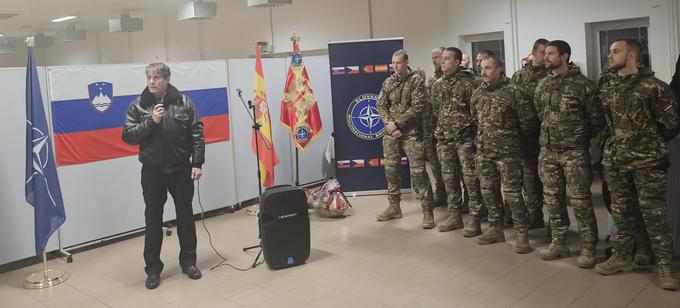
x=224, y=260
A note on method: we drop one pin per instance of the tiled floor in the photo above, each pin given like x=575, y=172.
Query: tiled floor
x=355, y=262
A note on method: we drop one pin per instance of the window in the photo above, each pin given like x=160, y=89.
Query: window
x=603, y=34
x=639, y=34
x=488, y=41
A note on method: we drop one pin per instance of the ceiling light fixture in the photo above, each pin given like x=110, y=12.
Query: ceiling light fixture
x=65, y=18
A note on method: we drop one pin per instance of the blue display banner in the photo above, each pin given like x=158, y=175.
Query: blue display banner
x=358, y=69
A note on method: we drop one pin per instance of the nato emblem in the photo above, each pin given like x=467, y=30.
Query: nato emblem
x=296, y=59
x=363, y=118
x=302, y=133
x=101, y=95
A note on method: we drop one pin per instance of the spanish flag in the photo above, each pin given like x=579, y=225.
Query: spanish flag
x=299, y=111
x=265, y=146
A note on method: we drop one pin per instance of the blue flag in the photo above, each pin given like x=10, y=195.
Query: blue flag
x=42, y=183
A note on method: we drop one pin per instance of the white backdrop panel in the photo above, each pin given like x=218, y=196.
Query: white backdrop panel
x=16, y=222
x=104, y=198
x=311, y=160
x=241, y=74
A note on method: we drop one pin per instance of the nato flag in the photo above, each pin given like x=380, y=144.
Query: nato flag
x=42, y=183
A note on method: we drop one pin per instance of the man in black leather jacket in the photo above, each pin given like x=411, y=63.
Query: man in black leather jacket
x=167, y=128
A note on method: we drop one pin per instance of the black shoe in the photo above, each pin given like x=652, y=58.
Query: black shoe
x=192, y=271
x=153, y=281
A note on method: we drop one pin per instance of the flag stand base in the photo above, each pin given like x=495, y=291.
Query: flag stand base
x=46, y=278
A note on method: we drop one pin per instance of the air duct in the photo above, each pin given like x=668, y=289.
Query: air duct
x=268, y=3
x=39, y=40
x=9, y=45
x=197, y=10
x=126, y=24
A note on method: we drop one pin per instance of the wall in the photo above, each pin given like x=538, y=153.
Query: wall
x=233, y=33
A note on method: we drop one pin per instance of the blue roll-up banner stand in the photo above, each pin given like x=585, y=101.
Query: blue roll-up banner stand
x=358, y=69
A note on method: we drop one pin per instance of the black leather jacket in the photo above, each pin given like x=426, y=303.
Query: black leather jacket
x=169, y=144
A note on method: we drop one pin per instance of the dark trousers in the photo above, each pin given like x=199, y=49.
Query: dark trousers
x=155, y=187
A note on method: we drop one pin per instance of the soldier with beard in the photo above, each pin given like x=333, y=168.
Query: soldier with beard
x=570, y=114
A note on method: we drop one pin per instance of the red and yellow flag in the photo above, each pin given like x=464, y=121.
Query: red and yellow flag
x=299, y=111
x=265, y=146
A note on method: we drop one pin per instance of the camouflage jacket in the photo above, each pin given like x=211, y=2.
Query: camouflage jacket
x=504, y=115
x=569, y=110
x=451, y=104
x=429, y=119
x=529, y=76
x=401, y=100
x=643, y=116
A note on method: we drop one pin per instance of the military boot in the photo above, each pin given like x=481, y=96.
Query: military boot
x=453, y=222
x=428, y=219
x=492, y=235
x=667, y=278
x=554, y=251
x=522, y=243
x=391, y=212
x=615, y=263
x=586, y=259
x=472, y=227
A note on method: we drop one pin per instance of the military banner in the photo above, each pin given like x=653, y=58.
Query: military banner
x=358, y=69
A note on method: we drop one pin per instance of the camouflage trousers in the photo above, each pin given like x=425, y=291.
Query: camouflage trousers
x=506, y=173
x=571, y=169
x=415, y=153
x=431, y=156
x=649, y=186
x=458, y=161
x=533, y=188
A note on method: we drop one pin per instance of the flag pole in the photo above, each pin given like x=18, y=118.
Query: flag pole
x=45, y=278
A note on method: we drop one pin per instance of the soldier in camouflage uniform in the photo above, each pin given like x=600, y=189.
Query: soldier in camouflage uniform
x=400, y=106
x=504, y=115
x=643, y=116
x=429, y=124
x=570, y=116
x=527, y=78
x=643, y=246
x=455, y=137
x=481, y=55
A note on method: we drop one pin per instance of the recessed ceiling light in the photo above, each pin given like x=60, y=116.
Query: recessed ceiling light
x=65, y=18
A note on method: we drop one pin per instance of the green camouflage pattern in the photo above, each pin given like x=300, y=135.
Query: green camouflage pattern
x=455, y=133
x=527, y=78
x=642, y=113
x=504, y=115
x=401, y=100
x=569, y=110
x=638, y=107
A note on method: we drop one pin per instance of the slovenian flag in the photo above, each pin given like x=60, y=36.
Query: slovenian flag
x=89, y=129
x=338, y=70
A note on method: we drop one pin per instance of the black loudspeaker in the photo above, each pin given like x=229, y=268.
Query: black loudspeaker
x=284, y=226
